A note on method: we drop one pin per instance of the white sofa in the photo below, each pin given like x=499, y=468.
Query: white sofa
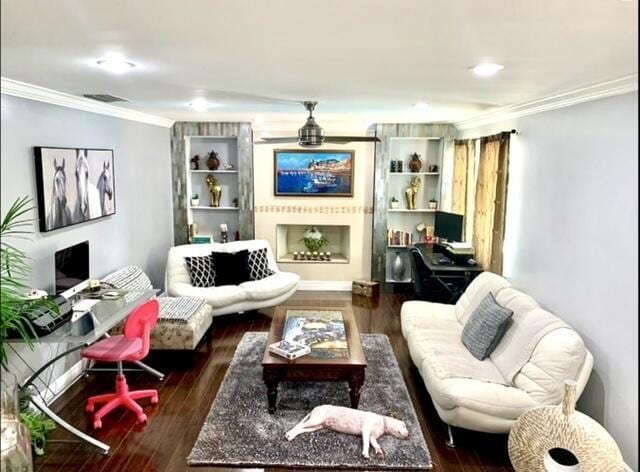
x=527, y=369
x=253, y=295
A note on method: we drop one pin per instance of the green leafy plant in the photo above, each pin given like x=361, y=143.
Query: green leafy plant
x=313, y=239
x=40, y=428
x=433, y=200
x=14, y=276
x=394, y=199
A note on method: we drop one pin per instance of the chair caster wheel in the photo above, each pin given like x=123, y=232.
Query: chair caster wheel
x=97, y=424
x=154, y=400
x=142, y=418
x=90, y=407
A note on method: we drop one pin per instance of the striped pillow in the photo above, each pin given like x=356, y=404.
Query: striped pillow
x=485, y=327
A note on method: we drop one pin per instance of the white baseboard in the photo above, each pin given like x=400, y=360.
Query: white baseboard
x=325, y=285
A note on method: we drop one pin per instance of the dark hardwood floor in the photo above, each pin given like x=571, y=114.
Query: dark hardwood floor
x=191, y=384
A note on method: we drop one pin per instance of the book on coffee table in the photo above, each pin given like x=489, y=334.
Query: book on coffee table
x=289, y=349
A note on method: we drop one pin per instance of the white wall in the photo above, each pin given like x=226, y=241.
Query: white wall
x=141, y=231
x=318, y=210
x=572, y=240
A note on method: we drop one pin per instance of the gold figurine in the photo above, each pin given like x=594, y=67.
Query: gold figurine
x=214, y=189
x=412, y=192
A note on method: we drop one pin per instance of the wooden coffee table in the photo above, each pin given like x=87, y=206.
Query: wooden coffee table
x=349, y=368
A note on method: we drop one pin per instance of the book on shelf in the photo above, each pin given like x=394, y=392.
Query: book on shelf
x=399, y=237
x=289, y=349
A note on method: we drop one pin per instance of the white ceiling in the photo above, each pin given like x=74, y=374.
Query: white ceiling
x=367, y=58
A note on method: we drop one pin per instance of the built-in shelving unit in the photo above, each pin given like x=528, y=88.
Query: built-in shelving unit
x=208, y=218
x=430, y=150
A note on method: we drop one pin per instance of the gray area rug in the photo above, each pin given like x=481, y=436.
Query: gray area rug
x=240, y=432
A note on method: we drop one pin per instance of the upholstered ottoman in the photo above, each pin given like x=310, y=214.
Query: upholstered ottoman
x=183, y=321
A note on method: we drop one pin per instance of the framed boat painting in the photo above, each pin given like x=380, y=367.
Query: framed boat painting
x=313, y=173
x=74, y=186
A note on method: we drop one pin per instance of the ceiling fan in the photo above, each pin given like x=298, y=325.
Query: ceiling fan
x=312, y=135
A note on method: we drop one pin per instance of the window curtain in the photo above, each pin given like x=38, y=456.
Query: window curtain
x=490, y=201
x=463, y=182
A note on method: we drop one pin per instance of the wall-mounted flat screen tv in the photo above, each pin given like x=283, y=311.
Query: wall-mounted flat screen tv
x=313, y=173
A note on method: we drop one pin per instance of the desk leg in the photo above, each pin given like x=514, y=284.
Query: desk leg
x=76, y=432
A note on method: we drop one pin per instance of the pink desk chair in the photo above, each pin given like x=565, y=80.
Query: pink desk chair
x=132, y=346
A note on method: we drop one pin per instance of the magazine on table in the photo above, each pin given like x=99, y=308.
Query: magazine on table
x=289, y=349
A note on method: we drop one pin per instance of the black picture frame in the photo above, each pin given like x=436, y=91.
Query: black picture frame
x=64, y=173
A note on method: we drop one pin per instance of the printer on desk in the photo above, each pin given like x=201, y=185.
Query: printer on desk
x=459, y=253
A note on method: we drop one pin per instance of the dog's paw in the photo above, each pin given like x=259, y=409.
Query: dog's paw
x=366, y=456
x=380, y=454
x=289, y=436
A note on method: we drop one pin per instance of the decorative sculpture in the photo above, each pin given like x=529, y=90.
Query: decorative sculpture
x=547, y=431
x=412, y=192
x=370, y=426
x=415, y=164
x=213, y=162
x=195, y=162
x=214, y=189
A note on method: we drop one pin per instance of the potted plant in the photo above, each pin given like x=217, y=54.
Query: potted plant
x=195, y=200
x=433, y=204
x=395, y=203
x=314, y=240
x=16, y=307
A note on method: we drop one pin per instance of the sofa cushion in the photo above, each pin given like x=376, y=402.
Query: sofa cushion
x=558, y=356
x=417, y=314
x=201, y=270
x=259, y=265
x=529, y=324
x=270, y=287
x=215, y=296
x=232, y=268
x=440, y=347
x=485, y=327
x=476, y=291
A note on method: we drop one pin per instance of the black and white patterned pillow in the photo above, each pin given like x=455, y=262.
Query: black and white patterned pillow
x=259, y=264
x=201, y=271
x=485, y=327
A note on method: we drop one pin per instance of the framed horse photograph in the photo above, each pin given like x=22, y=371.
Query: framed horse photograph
x=74, y=186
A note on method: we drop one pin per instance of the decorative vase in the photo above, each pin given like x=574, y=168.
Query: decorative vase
x=572, y=437
x=415, y=164
x=213, y=162
x=195, y=202
x=433, y=205
x=398, y=268
x=395, y=205
x=313, y=239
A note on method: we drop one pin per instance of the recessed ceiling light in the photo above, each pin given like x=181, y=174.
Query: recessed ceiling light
x=199, y=104
x=421, y=105
x=116, y=65
x=486, y=69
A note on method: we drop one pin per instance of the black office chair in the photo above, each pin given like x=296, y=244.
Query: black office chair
x=420, y=273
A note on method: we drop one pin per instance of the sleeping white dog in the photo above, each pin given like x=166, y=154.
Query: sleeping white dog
x=347, y=420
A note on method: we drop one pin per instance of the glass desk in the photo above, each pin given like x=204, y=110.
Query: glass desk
x=81, y=331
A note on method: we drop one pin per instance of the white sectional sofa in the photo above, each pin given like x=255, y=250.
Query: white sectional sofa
x=253, y=295
x=527, y=369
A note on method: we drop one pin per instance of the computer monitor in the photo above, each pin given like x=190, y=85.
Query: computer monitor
x=72, y=266
x=448, y=226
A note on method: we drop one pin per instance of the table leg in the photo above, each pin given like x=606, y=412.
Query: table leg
x=271, y=379
x=356, y=379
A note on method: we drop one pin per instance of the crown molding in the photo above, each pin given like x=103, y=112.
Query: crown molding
x=46, y=95
x=553, y=102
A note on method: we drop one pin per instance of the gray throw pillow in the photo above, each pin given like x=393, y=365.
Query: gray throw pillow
x=485, y=327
